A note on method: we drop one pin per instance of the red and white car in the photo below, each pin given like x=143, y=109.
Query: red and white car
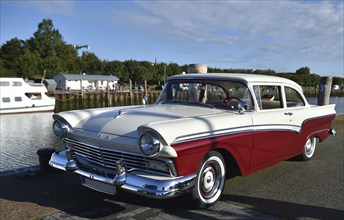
x=191, y=140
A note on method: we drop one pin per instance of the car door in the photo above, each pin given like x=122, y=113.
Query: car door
x=295, y=109
x=273, y=131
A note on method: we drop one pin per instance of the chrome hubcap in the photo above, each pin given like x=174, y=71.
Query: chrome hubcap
x=211, y=180
x=208, y=179
x=309, y=146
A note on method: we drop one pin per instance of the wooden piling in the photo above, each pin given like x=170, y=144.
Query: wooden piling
x=325, y=90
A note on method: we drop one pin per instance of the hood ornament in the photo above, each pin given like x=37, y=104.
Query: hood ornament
x=120, y=113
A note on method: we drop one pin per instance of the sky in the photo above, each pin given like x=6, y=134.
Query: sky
x=281, y=35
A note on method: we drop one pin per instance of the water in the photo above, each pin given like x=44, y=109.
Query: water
x=339, y=101
x=23, y=134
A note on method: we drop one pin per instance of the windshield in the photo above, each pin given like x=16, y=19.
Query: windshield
x=207, y=93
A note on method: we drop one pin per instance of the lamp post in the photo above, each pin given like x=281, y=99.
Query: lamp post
x=78, y=47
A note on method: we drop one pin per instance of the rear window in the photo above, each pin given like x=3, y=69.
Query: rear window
x=293, y=98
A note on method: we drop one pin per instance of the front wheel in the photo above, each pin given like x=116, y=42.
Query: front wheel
x=309, y=148
x=210, y=180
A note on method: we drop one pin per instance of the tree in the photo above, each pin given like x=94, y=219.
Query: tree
x=45, y=51
x=116, y=68
x=28, y=64
x=91, y=63
x=46, y=39
x=3, y=71
x=54, y=54
x=338, y=81
x=68, y=58
x=130, y=69
x=303, y=71
x=173, y=69
x=146, y=70
x=9, y=54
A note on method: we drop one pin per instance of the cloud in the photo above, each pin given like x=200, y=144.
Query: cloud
x=66, y=8
x=299, y=29
x=56, y=7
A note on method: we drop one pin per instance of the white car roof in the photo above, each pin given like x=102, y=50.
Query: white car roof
x=248, y=78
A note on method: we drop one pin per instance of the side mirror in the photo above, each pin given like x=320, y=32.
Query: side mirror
x=242, y=106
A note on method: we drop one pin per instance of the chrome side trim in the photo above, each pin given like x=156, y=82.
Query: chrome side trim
x=244, y=129
x=139, y=182
x=237, y=130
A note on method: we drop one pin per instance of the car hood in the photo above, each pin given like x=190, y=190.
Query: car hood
x=124, y=121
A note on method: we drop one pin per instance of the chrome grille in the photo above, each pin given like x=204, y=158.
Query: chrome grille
x=106, y=158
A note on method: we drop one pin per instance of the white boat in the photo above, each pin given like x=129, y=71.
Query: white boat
x=18, y=96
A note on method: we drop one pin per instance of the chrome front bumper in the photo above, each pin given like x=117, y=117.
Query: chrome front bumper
x=138, y=182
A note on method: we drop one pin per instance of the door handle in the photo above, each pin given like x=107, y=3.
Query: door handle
x=288, y=113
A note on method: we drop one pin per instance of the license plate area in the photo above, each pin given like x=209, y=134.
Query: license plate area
x=98, y=186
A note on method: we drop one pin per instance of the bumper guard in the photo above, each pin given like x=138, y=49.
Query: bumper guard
x=139, y=182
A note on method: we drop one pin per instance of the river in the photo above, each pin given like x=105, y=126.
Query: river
x=23, y=134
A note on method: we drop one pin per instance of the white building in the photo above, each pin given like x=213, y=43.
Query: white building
x=68, y=82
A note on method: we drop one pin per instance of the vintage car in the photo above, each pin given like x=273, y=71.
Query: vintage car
x=191, y=140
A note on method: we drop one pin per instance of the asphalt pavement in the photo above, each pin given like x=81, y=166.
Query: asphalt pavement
x=289, y=190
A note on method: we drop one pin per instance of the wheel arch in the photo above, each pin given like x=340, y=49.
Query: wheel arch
x=232, y=167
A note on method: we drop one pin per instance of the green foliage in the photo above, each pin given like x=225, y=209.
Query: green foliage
x=46, y=39
x=338, y=81
x=303, y=71
x=47, y=52
x=28, y=64
x=9, y=54
x=91, y=64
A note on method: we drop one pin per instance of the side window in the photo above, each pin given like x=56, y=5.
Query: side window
x=34, y=96
x=6, y=99
x=268, y=97
x=18, y=99
x=293, y=98
x=4, y=83
x=16, y=84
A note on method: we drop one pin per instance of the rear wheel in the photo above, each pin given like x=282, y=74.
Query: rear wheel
x=309, y=148
x=210, y=180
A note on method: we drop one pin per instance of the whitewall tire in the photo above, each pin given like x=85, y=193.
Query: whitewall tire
x=210, y=180
x=309, y=148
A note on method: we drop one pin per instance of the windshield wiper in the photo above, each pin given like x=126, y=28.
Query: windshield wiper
x=171, y=101
x=186, y=103
x=204, y=104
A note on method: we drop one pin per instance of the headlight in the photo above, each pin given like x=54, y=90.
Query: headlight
x=60, y=129
x=148, y=144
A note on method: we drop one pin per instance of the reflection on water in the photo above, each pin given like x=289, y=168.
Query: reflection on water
x=21, y=136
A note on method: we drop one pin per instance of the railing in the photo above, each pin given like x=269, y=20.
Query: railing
x=74, y=100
